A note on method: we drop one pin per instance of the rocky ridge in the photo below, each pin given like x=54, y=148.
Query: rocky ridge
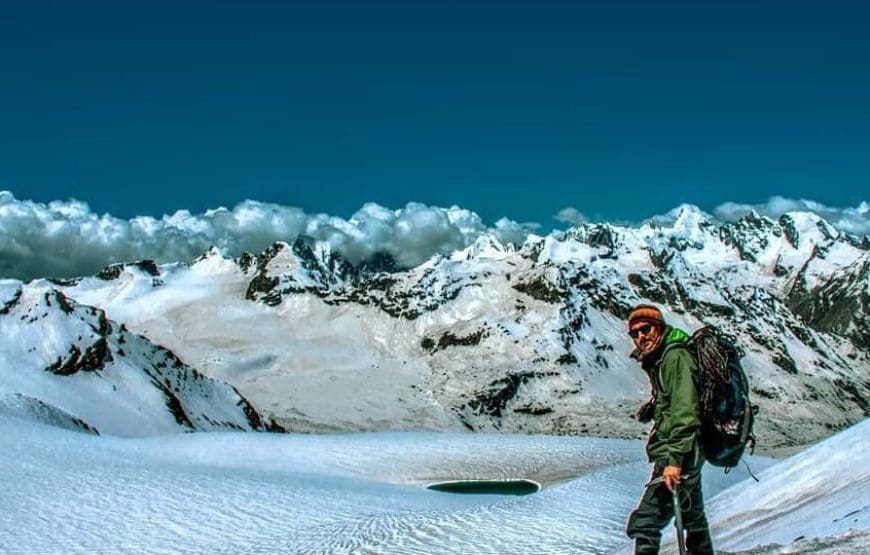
x=531, y=338
x=71, y=363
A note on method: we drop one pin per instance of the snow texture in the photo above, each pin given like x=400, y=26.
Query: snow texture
x=71, y=492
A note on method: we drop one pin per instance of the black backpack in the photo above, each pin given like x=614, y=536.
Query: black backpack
x=727, y=415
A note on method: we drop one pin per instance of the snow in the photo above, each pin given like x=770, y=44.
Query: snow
x=361, y=346
x=72, y=492
x=352, y=366
x=68, y=359
x=484, y=247
x=69, y=492
x=824, y=491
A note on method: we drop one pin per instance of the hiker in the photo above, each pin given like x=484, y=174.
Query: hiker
x=673, y=445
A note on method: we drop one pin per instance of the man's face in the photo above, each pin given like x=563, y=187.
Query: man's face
x=645, y=335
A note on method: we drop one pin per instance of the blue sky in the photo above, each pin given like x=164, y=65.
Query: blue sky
x=517, y=109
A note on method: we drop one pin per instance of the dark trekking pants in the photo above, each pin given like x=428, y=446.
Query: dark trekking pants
x=656, y=509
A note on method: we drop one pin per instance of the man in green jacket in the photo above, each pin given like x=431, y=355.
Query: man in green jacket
x=673, y=445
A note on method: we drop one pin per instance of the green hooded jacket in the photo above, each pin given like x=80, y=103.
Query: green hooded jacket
x=672, y=372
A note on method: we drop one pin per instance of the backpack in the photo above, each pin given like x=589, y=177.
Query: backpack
x=727, y=415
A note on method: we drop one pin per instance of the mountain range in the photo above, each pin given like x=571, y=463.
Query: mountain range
x=494, y=337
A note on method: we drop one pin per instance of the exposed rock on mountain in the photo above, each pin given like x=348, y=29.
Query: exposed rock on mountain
x=72, y=364
x=516, y=338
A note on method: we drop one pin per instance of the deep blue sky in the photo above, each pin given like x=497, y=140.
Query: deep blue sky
x=517, y=109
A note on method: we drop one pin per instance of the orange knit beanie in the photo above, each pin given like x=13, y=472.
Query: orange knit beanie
x=646, y=313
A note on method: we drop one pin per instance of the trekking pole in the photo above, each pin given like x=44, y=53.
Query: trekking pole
x=678, y=520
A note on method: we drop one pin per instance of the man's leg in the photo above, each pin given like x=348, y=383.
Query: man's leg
x=698, y=541
x=655, y=510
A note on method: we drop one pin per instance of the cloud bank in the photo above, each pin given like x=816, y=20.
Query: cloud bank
x=67, y=239
x=571, y=216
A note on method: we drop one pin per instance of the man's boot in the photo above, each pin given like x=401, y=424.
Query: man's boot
x=645, y=546
x=698, y=542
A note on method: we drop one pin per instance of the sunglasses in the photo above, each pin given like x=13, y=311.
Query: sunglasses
x=644, y=329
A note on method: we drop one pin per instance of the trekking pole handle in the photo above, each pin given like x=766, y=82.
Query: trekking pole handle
x=661, y=479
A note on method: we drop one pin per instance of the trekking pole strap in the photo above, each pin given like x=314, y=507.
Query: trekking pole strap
x=754, y=477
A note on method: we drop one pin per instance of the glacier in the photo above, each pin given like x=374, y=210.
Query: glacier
x=230, y=492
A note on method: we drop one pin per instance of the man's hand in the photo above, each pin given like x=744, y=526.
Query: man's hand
x=671, y=476
x=646, y=411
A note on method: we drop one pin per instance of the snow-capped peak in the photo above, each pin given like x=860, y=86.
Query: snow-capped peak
x=689, y=216
x=525, y=331
x=683, y=218
x=485, y=246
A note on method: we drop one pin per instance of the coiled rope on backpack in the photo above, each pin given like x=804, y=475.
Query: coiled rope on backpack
x=713, y=365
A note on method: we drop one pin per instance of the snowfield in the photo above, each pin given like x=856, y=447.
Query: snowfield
x=73, y=492
x=134, y=403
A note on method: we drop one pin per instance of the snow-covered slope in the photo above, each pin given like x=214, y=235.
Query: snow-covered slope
x=71, y=492
x=817, y=501
x=528, y=338
x=70, y=364
x=822, y=492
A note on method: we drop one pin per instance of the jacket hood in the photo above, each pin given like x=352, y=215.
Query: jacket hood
x=670, y=336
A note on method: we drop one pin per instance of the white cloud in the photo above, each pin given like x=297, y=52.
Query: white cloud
x=64, y=239
x=855, y=221
x=570, y=215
